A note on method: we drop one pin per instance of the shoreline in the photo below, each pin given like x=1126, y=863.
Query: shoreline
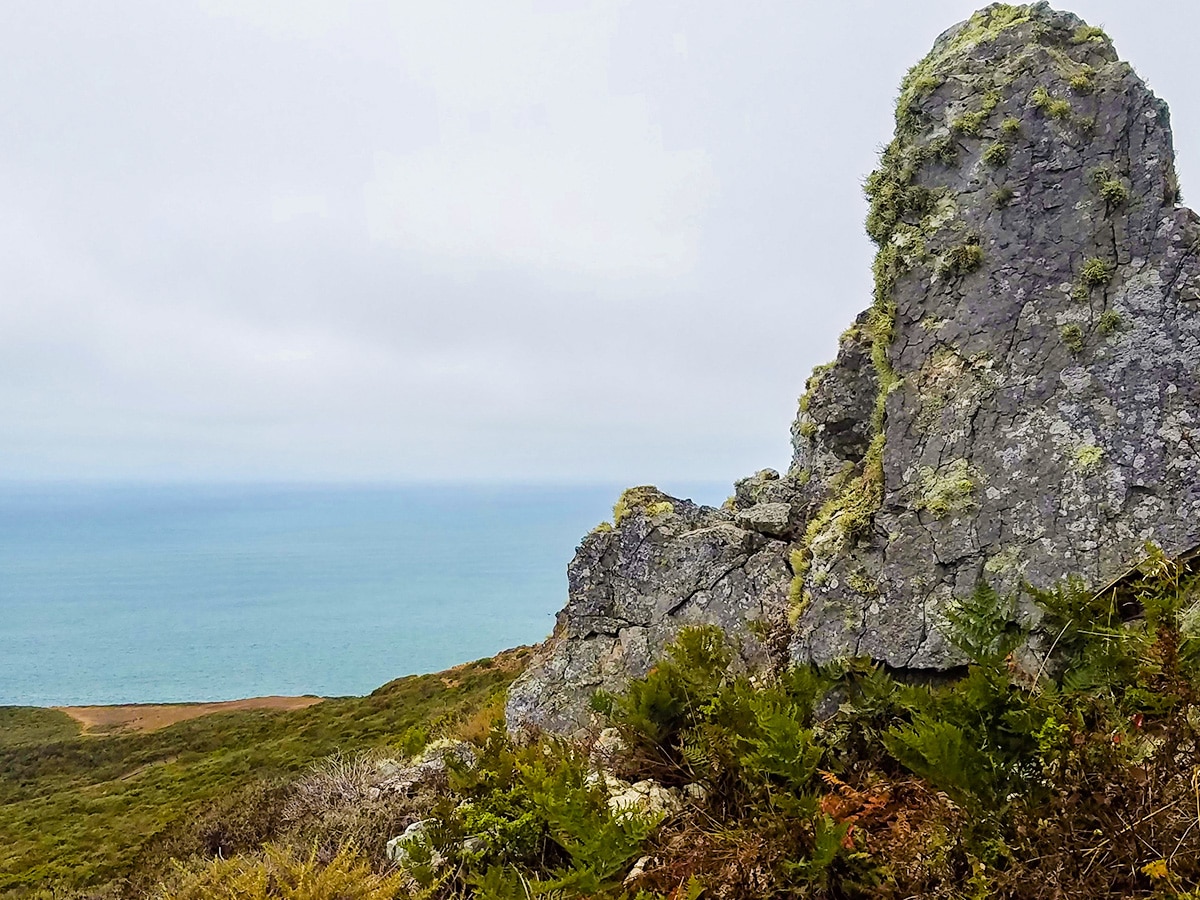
x=138, y=717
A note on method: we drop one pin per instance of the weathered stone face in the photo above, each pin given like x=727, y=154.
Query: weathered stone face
x=668, y=563
x=1019, y=404
x=1041, y=421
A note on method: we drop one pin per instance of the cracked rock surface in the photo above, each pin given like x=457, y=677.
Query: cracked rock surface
x=630, y=591
x=1019, y=404
x=1044, y=423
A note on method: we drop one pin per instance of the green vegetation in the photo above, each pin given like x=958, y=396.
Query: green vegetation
x=1096, y=272
x=1002, y=196
x=1081, y=80
x=1088, y=458
x=948, y=490
x=22, y=726
x=1055, y=108
x=1072, y=336
x=1011, y=126
x=960, y=260
x=996, y=154
x=85, y=810
x=1111, y=187
x=1110, y=321
x=1064, y=769
x=927, y=75
x=1085, y=34
x=280, y=873
x=646, y=498
x=1114, y=192
x=971, y=123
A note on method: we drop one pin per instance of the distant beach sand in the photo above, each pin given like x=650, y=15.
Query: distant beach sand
x=152, y=716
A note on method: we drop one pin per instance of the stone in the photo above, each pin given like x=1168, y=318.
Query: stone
x=774, y=519
x=607, y=750
x=399, y=849
x=427, y=772
x=646, y=797
x=1037, y=424
x=638, y=870
x=1017, y=404
x=632, y=588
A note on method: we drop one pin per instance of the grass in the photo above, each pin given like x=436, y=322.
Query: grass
x=82, y=811
x=1054, y=107
x=24, y=726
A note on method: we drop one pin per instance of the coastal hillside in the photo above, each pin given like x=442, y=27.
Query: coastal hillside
x=106, y=813
x=953, y=652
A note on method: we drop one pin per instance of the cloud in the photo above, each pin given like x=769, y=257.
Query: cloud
x=517, y=200
x=537, y=162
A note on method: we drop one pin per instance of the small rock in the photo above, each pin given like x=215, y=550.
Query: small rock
x=766, y=518
x=647, y=797
x=398, y=847
x=609, y=747
x=638, y=870
x=429, y=769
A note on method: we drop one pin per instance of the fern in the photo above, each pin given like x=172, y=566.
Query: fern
x=673, y=695
x=944, y=755
x=781, y=748
x=598, y=841
x=984, y=626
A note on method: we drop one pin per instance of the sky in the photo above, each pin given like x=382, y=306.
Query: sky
x=485, y=241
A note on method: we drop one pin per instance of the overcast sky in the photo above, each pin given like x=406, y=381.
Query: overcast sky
x=443, y=240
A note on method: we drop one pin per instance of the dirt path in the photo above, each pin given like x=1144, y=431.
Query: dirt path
x=152, y=716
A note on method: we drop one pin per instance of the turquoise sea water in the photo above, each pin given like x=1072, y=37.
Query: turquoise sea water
x=120, y=594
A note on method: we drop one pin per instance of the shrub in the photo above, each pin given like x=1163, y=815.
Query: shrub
x=1011, y=126
x=1110, y=321
x=1002, y=196
x=280, y=874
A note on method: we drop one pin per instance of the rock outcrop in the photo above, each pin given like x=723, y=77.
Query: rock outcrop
x=1018, y=403
x=665, y=564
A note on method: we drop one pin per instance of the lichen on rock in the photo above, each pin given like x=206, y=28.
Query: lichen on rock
x=1014, y=405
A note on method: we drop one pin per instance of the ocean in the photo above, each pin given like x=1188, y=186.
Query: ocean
x=175, y=593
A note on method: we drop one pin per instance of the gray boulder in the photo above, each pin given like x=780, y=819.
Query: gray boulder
x=665, y=564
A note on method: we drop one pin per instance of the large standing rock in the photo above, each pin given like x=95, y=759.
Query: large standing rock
x=1018, y=404
x=1036, y=306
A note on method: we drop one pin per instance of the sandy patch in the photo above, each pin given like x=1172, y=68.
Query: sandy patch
x=151, y=716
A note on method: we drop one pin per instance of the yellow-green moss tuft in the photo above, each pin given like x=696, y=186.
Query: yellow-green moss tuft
x=646, y=498
x=1095, y=272
x=1072, y=336
x=1088, y=458
x=947, y=490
